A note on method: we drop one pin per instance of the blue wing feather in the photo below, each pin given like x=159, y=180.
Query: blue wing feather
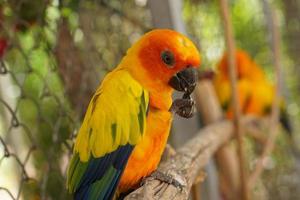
x=103, y=175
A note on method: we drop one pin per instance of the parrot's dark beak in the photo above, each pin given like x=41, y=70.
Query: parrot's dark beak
x=185, y=80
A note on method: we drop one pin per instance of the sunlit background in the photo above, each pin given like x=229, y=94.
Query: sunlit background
x=54, y=54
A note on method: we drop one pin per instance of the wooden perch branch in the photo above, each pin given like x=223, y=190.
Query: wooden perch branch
x=185, y=165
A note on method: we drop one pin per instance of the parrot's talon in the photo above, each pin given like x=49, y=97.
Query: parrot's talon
x=183, y=107
x=167, y=178
x=143, y=181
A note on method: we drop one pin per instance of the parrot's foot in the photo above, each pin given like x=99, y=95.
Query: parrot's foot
x=183, y=107
x=166, y=178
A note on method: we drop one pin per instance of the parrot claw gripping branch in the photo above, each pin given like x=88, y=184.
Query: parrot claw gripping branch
x=128, y=120
x=183, y=107
x=167, y=178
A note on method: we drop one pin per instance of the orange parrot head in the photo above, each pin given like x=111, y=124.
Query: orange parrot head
x=243, y=64
x=167, y=58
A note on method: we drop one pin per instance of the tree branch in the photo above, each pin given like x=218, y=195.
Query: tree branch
x=187, y=162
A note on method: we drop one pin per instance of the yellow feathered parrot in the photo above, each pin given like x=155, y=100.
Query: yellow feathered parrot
x=256, y=93
x=128, y=120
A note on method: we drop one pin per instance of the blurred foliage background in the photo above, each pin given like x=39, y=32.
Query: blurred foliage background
x=54, y=53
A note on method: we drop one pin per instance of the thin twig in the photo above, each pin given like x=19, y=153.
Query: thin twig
x=230, y=43
x=257, y=135
x=273, y=129
x=195, y=191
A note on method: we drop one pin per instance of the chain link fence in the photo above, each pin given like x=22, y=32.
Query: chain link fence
x=53, y=54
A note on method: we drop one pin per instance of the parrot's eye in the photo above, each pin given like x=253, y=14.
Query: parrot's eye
x=168, y=58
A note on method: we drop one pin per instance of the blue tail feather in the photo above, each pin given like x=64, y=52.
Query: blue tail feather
x=102, y=175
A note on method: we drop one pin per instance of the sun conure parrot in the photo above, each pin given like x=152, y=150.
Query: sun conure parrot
x=127, y=123
x=246, y=67
x=256, y=93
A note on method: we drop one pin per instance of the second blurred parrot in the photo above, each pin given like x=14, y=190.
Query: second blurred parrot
x=256, y=93
x=128, y=120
